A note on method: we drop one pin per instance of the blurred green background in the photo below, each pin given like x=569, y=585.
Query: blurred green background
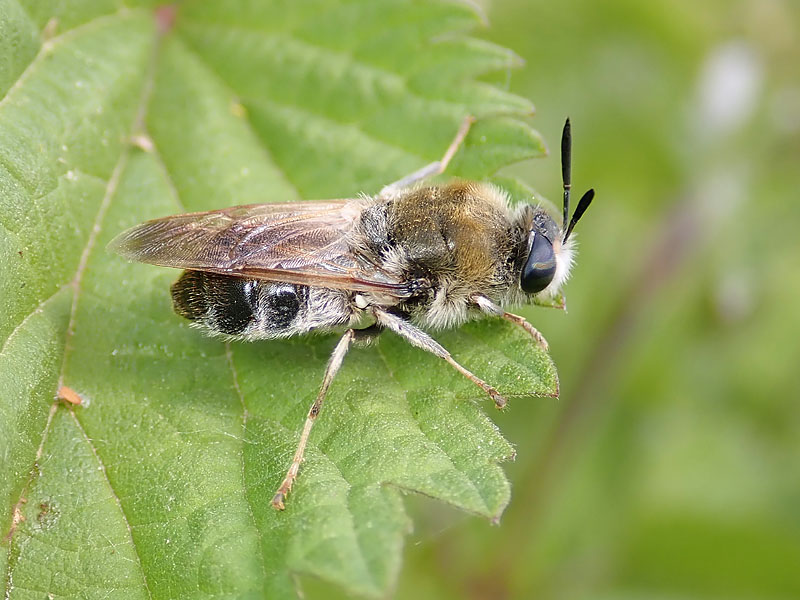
x=670, y=467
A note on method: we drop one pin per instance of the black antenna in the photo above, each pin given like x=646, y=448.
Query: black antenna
x=566, y=169
x=566, y=177
x=583, y=204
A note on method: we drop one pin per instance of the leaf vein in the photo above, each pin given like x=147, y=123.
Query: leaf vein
x=37, y=310
x=245, y=415
x=114, y=495
x=49, y=45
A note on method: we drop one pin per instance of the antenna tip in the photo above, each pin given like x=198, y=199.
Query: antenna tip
x=566, y=137
x=583, y=204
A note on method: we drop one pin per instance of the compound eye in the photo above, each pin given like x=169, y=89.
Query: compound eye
x=540, y=268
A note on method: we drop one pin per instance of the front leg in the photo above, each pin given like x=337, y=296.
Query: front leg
x=491, y=308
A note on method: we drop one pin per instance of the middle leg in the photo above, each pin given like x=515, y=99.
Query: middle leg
x=420, y=339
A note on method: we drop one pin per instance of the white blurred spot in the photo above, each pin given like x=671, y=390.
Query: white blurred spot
x=730, y=83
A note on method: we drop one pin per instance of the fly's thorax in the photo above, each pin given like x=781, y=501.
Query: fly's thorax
x=449, y=243
x=459, y=232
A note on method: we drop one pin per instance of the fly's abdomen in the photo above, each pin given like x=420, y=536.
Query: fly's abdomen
x=238, y=306
x=254, y=309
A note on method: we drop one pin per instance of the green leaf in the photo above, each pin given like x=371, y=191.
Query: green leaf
x=159, y=483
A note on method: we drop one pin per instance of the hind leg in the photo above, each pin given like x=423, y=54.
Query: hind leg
x=334, y=364
x=435, y=168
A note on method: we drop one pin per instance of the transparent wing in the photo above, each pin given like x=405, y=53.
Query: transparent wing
x=301, y=242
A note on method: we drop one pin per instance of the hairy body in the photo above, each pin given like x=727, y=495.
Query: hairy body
x=450, y=244
x=407, y=259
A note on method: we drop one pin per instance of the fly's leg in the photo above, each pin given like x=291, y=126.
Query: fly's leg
x=435, y=168
x=334, y=363
x=491, y=308
x=522, y=322
x=420, y=339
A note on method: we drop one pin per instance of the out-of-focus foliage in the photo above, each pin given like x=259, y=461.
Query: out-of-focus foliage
x=670, y=468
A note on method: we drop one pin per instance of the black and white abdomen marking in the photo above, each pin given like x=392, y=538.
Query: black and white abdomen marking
x=237, y=306
x=254, y=309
